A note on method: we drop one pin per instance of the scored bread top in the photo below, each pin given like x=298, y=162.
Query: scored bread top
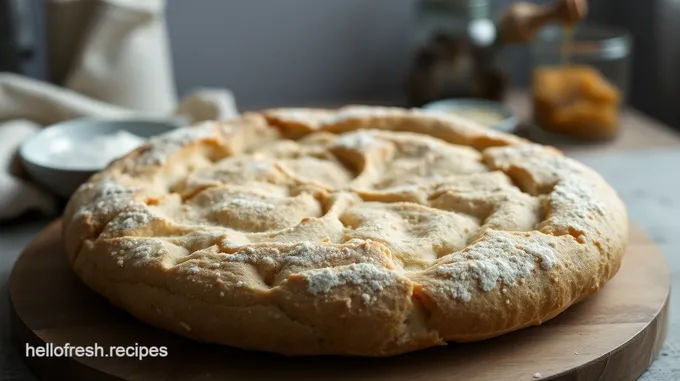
x=360, y=231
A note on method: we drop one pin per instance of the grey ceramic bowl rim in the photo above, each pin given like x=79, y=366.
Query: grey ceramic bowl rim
x=27, y=157
x=506, y=125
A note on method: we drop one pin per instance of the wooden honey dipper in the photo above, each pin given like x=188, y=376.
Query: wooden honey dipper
x=520, y=22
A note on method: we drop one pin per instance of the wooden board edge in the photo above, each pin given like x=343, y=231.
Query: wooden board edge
x=630, y=360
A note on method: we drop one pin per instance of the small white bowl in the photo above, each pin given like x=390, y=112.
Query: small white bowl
x=507, y=121
x=35, y=152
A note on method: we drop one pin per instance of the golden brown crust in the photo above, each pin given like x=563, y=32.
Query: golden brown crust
x=376, y=231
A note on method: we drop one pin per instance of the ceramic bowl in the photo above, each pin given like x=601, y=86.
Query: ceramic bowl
x=495, y=114
x=35, y=153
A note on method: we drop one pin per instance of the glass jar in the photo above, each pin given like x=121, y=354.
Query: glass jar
x=454, y=52
x=452, y=17
x=580, y=80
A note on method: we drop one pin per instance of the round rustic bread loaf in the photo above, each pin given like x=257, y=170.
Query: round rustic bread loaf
x=359, y=231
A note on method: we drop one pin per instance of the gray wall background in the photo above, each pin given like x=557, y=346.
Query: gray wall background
x=272, y=52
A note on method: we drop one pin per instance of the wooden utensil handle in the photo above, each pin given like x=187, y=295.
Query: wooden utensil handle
x=520, y=22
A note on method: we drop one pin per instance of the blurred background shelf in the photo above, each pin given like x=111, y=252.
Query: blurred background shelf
x=358, y=49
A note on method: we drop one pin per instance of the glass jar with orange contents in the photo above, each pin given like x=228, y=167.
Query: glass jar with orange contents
x=580, y=80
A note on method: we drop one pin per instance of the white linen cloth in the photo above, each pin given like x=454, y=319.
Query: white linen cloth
x=116, y=51
x=26, y=105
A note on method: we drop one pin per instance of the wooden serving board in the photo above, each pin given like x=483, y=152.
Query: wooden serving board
x=613, y=335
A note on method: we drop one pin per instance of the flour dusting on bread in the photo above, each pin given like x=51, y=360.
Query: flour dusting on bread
x=369, y=231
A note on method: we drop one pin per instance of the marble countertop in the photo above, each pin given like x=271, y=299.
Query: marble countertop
x=647, y=180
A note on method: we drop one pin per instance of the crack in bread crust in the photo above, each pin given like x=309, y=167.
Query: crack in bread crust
x=359, y=231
